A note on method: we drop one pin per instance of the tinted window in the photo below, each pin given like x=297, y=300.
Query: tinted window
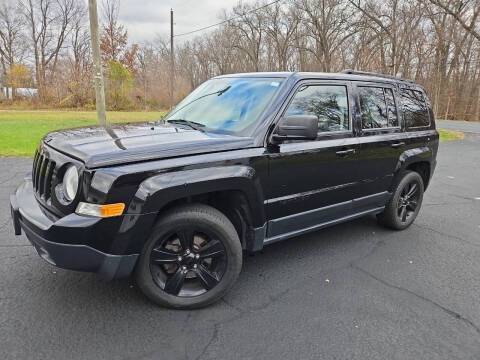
x=391, y=108
x=328, y=102
x=415, y=110
x=378, y=108
x=373, y=108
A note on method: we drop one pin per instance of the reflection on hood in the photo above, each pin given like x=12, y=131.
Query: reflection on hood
x=102, y=146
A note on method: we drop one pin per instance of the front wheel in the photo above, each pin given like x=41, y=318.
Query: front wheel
x=403, y=207
x=191, y=259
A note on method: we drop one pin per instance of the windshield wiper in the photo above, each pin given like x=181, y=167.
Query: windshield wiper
x=218, y=93
x=192, y=124
x=221, y=92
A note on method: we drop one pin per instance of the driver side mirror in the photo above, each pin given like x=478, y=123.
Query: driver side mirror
x=296, y=127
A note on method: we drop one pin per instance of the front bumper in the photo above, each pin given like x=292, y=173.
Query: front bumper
x=43, y=232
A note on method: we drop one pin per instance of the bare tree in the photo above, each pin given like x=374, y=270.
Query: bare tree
x=146, y=59
x=328, y=24
x=113, y=41
x=12, y=41
x=220, y=50
x=280, y=28
x=49, y=23
x=249, y=33
x=80, y=61
x=465, y=12
x=391, y=20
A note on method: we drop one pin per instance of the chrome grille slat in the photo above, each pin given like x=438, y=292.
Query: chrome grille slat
x=48, y=179
x=37, y=171
x=34, y=169
x=42, y=175
x=43, y=178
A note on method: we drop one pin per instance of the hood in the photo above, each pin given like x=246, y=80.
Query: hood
x=104, y=146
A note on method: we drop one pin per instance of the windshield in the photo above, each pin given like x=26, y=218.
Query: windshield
x=228, y=105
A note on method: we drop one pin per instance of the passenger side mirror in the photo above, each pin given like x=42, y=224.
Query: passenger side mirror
x=296, y=127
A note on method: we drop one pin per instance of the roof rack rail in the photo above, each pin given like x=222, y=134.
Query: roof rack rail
x=366, y=73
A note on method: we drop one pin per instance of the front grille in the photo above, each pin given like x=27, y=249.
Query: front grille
x=42, y=175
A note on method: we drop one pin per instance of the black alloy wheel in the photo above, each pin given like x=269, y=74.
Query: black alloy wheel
x=188, y=262
x=191, y=259
x=408, y=201
x=404, y=205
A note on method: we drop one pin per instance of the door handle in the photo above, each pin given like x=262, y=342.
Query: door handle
x=398, y=145
x=345, y=152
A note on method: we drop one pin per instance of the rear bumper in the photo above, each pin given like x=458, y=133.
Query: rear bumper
x=42, y=232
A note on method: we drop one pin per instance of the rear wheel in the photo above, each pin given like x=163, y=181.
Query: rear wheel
x=403, y=207
x=191, y=259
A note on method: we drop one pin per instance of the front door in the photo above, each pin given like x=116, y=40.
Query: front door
x=313, y=182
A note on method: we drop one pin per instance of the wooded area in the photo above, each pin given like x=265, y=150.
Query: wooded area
x=44, y=44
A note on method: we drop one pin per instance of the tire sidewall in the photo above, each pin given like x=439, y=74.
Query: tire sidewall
x=201, y=217
x=393, y=219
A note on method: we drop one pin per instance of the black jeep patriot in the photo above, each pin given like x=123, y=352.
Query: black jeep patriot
x=243, y=161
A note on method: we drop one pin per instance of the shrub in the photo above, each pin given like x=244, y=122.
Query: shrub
x=119, y=85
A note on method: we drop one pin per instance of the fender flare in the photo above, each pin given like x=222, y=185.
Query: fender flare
x=157, y=191
x=411, y=156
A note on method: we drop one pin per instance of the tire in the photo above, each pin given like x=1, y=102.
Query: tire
x=175, y=283
x=400, y=211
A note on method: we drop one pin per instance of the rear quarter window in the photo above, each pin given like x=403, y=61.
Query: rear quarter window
x=415, y=110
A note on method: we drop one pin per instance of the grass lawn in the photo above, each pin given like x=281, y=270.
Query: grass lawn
x=448, y=135
x=21, y=131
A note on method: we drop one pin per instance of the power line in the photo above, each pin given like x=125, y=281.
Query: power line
x=228, y=20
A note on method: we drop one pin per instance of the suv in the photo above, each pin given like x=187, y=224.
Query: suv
x=244, y=161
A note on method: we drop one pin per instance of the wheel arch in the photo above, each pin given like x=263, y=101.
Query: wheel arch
x=232, y=203
x=423, y=169
x=419, y=160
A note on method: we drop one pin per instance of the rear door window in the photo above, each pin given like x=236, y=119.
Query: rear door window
x=391, y=108
x=377, y=106
x=415, y=111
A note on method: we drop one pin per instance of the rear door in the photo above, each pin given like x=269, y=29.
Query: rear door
x=381, y=136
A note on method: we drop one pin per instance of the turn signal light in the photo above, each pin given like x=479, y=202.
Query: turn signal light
x=112, y=210
x=108, y=210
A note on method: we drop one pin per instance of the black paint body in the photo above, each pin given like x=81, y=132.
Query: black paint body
x=270, y=191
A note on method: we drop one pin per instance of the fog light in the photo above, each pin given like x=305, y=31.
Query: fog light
x=100, y=210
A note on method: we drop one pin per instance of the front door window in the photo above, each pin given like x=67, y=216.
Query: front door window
x=328, y=102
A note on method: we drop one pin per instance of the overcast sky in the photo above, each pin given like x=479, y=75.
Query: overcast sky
x=146, y=18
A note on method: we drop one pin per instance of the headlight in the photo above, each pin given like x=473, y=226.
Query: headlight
x=70, y=183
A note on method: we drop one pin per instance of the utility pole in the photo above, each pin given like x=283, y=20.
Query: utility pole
x=172, y=59
x=97, y=63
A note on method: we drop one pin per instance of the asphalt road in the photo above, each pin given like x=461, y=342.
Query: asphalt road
x=353, y=291
x=468, y=127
